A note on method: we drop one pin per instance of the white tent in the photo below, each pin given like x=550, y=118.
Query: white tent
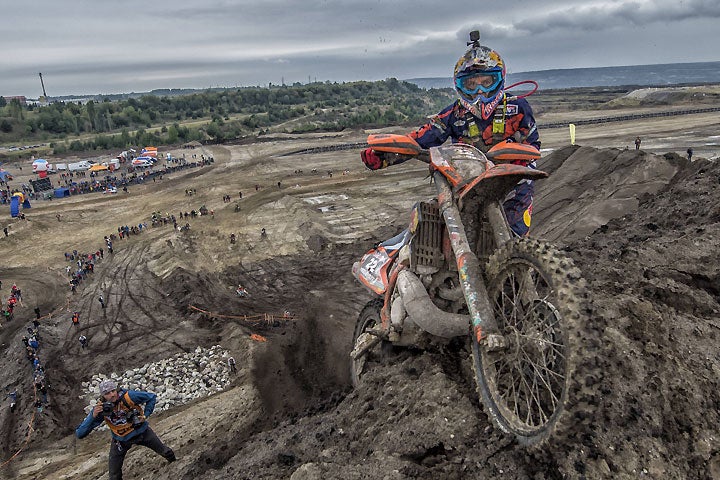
x=39, y=165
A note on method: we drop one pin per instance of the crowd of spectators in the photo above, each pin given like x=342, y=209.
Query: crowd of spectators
x=100, y=182
x=31, y=344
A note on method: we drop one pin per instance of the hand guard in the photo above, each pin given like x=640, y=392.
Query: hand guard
x=372, y=160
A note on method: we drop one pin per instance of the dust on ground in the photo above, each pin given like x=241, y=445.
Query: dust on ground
x=642, y=226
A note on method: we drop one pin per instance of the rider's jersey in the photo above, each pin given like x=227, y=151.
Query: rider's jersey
x=513, y=120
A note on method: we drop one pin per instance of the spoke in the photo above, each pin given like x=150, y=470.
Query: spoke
x=511, y=390
x=500, y=304
x=520, y=393
x=529, y=375
x=534, y=402
x=545, y=382
x=528, y=397
x=542, y=415
x=514, y=312
x=514, y=396
x=555, y=345
x=498, y=369
x=550, y=371
x=538, y=402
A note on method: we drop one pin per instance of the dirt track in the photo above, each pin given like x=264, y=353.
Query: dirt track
x=645, y=233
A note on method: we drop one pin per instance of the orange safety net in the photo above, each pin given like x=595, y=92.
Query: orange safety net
x=262, y=317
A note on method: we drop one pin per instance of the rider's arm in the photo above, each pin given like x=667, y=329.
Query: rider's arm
x=149, y=399
x=432, y=134
x=437, y=130
x=528, y=127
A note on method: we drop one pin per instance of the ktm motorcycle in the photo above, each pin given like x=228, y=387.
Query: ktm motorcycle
x=458, y=270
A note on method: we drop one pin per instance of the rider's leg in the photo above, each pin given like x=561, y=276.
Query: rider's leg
x=518, y=207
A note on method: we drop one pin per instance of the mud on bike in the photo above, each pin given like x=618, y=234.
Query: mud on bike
x=458, y=270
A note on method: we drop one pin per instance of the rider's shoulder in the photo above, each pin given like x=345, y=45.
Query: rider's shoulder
x=522, y=103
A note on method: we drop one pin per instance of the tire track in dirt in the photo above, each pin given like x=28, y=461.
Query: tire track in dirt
x=120, y=286
x=115, y=278
x=90, y=290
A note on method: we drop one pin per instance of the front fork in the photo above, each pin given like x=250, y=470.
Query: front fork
x=484, y=326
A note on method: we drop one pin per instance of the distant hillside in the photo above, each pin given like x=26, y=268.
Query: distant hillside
x=656, y=75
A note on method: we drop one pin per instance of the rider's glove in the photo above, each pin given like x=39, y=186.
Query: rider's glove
x=371, y=159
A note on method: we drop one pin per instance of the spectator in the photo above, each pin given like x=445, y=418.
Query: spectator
x=121, y=411
x=13, y=400
x=637, y=143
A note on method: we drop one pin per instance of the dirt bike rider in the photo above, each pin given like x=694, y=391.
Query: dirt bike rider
x=483, y=116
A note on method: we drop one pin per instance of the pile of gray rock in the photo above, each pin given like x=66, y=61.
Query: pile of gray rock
x=176, y=380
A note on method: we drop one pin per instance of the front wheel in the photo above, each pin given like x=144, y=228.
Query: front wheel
x=537, y=296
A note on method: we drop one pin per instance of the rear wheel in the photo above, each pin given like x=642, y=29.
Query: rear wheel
x=537, y=296
x=368, y=319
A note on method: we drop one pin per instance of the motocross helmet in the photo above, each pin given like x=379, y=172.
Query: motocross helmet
x=479, y=79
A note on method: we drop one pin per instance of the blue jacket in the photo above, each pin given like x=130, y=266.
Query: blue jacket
x=138, y=397
x=454, y=122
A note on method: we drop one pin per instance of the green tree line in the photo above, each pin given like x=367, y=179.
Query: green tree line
x=217, y=116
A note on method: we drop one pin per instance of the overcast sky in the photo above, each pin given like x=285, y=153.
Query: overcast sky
x=100, y=46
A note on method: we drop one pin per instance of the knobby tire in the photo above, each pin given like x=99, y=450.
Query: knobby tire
x=539, y=301
x=369, y=317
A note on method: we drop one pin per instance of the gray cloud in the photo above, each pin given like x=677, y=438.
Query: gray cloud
x=614, y=15
x=86, y=46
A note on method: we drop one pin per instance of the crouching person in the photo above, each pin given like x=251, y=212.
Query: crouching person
x=121, y=411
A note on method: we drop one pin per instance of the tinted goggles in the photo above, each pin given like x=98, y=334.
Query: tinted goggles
x=475, y=82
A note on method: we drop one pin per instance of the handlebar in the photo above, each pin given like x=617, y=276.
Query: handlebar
x=393, y=158
x=402, y=147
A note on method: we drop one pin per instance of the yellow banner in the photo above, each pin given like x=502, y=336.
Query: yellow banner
x=572, y=134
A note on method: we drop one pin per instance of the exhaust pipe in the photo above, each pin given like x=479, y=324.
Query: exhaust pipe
x=425, y=314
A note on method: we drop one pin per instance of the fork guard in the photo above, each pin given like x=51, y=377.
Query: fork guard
x=423, y=312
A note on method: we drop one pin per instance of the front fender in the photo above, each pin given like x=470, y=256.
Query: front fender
x=494, y=183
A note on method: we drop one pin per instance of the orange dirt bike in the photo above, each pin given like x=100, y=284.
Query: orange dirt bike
x=458, y=270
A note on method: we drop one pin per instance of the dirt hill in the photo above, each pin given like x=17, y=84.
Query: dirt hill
x=643, y=228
